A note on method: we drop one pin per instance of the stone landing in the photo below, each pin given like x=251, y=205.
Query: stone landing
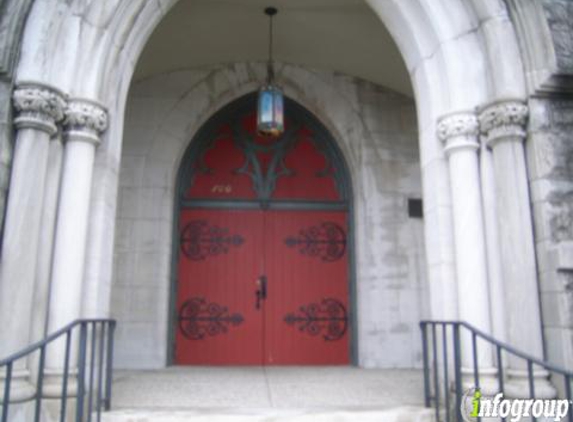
x=298, y=394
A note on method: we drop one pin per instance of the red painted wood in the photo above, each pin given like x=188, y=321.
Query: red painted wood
x=227, y=279
x=311, y=176
x=298, y=275
x=215, y=175
x=297, y=278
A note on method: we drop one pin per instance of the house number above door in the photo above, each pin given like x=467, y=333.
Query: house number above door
x=222, y=189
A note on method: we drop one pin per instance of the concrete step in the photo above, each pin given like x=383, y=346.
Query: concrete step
x=299, y=394
x=398, y=414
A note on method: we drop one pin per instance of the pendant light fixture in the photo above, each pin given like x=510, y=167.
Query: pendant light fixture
x=270, y=113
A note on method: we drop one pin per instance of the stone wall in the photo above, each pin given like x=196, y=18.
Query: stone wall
x=545, y=35
x=545, y=32
x=376, y=131
x=559, y=15
x=550, y=151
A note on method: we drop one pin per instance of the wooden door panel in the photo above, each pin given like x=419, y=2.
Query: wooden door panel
x=306, y=311
x=220, y=259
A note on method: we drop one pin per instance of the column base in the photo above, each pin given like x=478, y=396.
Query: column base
x=21, y=389
x=488, y=387
x=54, y=382
x=517, y=384
x=488, y=382
x=53, y=409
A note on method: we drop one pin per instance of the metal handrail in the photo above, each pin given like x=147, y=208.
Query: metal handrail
x=505, y=346
x=86, y=369
x=35, y=346
x=436, y=377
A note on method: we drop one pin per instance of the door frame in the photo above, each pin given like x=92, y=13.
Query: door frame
x=243, y=104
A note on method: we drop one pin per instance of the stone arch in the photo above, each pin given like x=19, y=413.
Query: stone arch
x=89, y=49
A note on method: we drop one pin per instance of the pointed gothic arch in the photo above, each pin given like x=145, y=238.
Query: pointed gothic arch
x=227, y=167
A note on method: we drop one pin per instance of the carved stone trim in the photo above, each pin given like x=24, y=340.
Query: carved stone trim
x=459, y=131
x=85, y=120
x=38, y=106
x=461, y=124
x=504, y=121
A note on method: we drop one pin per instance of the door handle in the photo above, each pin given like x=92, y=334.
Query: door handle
x=263, y=287
x=261, y=293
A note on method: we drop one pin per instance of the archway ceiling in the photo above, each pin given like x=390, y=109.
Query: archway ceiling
x=340, y=35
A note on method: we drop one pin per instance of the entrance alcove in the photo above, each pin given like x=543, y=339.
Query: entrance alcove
x=364, y=105
x=193, y=59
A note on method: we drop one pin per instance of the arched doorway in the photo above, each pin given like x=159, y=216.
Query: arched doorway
x=262, y=244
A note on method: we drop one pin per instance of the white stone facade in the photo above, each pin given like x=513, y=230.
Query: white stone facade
x=485, y=141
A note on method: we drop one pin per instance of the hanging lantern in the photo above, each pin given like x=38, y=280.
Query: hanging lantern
x=270, y=111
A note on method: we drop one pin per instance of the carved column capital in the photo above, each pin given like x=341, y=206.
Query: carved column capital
x=504, y=121
x=38, y=106
x=458, y=131
x=85, y=120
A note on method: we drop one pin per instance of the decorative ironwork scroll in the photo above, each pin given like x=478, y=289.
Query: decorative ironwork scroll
x=198, y=319
x=264, y=179
x=199, y=240
x=327, y=241
x=329, y=317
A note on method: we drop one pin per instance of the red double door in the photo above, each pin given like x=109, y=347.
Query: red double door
x=262, y=288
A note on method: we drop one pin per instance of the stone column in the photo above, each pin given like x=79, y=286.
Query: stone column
x=39, y=108
x=503, y=125
x=46, y=247
x=459, y=132
x=495, y=275
x=85, y=121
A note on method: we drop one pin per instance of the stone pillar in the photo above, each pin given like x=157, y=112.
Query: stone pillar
x=495, y=275
x=39, y=108
x=85, y=121
x=503, y=125
x=459, y=132
x=46, y=247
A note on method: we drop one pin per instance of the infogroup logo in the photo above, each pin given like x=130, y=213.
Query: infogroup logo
x=475, y=405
